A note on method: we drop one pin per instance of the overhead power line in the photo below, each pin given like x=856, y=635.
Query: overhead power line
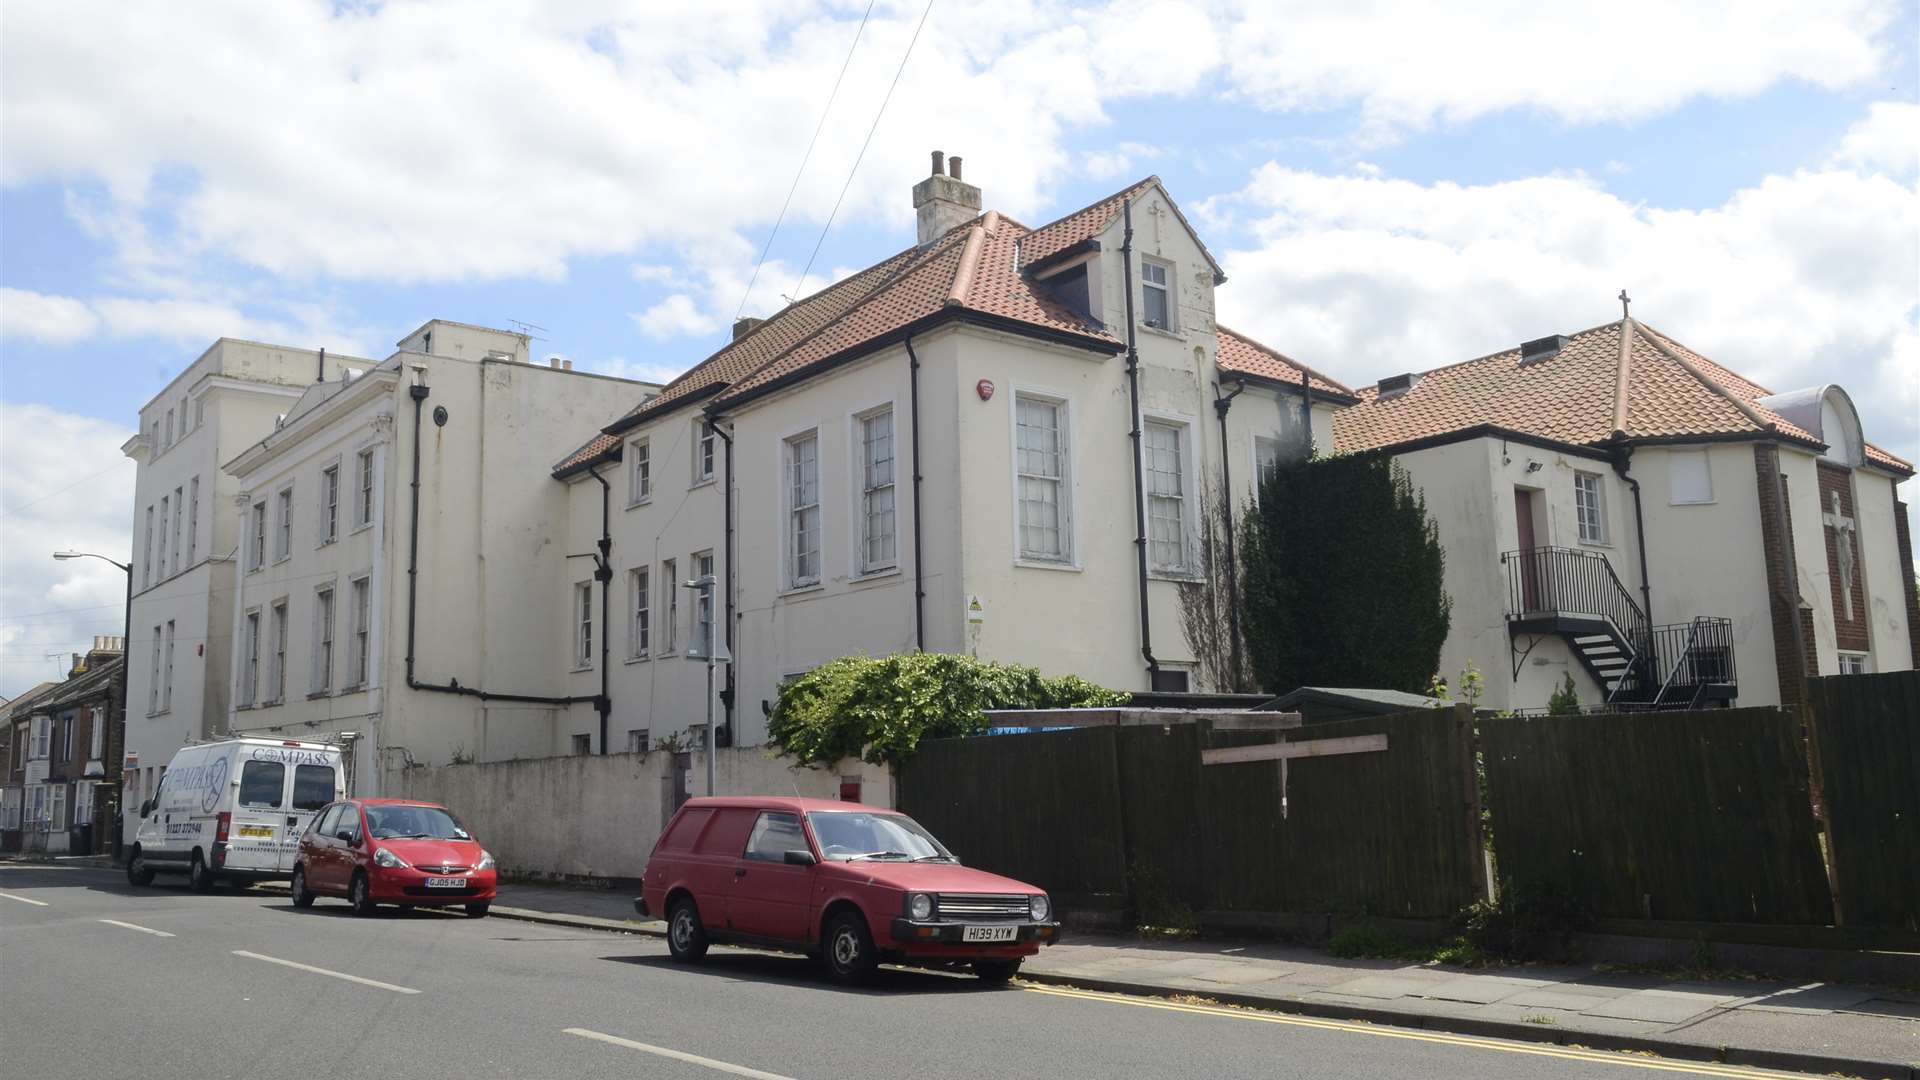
x=882, y=111
x=804, y=158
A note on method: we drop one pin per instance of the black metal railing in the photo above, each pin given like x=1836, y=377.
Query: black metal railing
x=1568, y=581
x=1685, y=657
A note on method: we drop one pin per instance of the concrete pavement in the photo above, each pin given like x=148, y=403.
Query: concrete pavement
x=1797, y=1024
x=105, y=980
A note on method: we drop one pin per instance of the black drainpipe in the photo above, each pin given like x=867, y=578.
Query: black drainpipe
x=419, y=393
x=1220, y=407
x=1622, y=461
x=919, y=569
x=726, y=548
x=604, y=575
x=1139, y=473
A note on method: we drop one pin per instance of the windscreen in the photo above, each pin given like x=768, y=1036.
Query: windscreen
x=414, y=823
x=850, y=835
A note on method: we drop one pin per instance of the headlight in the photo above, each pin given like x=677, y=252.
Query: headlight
x=920, y=906
x=383, y=857
x=1039, y=908
x=486, y=861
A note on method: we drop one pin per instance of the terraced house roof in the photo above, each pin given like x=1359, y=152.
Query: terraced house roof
x=973, y=272
x=1621, y=381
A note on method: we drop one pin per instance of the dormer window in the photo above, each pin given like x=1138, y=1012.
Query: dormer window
x=1156, y=296
x=1394, y=386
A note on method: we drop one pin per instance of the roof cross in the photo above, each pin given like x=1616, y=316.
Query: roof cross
x=1624, y=301
x=1844, y=531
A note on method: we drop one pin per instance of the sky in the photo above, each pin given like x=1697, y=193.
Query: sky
x=1390, y=185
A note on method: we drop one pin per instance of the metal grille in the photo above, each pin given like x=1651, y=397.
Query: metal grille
x=982, y=906
x=448, y=869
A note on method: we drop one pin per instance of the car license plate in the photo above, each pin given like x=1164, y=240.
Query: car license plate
x=987, y=933
x=262, y=831
x=446, y=883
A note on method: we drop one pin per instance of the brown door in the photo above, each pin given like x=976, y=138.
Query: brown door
x=1530, y=558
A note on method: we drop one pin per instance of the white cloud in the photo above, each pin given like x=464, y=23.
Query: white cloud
x=1798, y=279
x=676, y=316
x=1408, y=63
x=653, y=371
x=1888, y=138
x=66, y=485
x=393, y=143
x=53, y=320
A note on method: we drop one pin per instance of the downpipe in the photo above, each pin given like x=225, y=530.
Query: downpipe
x=919, y=566
x=1139, y=465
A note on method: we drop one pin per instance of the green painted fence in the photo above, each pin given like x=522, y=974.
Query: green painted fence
x=1866, y=734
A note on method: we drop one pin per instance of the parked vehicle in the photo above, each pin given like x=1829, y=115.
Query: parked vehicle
x=233, y=810
x=852, y=885
x=393, y=851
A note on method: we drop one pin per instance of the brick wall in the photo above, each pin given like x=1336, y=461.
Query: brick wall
x=1783, y=591
x=1903, y=536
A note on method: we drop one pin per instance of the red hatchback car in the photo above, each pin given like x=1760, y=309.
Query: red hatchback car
x=393, y=851
x=851, y=884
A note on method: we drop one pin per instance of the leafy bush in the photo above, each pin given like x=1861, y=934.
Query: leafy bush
x=1531, y=922
x=879, y=708
x=1564, y=701
x=1361, y=940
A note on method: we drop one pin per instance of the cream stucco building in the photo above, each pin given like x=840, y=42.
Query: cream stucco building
x=936, y=453
x=1618, y=508
x=185, y=537
x=393, y=531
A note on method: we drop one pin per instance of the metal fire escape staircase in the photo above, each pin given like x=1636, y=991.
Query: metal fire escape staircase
x=1575, y=595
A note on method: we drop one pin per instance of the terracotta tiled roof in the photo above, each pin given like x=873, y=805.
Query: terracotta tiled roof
x=1241, y=355
x=1577, y=396
x=971, y=271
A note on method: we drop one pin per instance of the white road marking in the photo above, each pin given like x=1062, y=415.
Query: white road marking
x=375, y=983
x=131, y=926
x=677, y=1055
x=24, y=900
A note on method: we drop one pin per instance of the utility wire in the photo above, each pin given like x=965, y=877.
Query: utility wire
x=804, y=158
x=12, y=510
x=863, y=146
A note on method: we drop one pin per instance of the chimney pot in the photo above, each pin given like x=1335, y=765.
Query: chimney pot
x=953, y=167
x=553, y=362
x=939, y=165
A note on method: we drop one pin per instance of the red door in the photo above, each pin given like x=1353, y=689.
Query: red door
x=1530, y=558
x=716, y=860
x=770, y=895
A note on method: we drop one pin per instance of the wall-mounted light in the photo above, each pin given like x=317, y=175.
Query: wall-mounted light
x=1533, y=466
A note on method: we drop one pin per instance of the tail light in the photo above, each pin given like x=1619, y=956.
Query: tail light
x=222, y=825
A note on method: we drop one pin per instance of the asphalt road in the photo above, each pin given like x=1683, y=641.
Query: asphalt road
x=98, y=979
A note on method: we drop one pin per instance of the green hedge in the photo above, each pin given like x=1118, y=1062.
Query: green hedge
x=879, y=708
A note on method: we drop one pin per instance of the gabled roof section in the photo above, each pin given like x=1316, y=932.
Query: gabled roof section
x=99, y=677
x=28, y=701
x=1623, y=381
x=1090, y=221
x=1241, y=355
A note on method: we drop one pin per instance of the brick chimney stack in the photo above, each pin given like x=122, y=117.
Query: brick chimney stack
x=942, y=201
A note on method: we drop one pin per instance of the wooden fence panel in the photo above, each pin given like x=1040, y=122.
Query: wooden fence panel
x=1694, y=816
x=1866, y=731
x=1044, y=808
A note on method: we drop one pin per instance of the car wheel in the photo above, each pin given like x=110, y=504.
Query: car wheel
x=996, y=971
x=302, y=896
x=138, y=872
x=360, y=894
x=849, y=951
x=686, y=938
x=479, y=908
x=199, y=878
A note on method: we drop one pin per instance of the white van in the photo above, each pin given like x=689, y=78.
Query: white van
x=234, y=810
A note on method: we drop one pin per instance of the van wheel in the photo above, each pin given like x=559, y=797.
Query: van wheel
x=138, y=872
x=302, y=896
x=996, y=971
x=199, y=878
x=686, y=938
x=849, y=951
x=479, y=908
x=360, y=895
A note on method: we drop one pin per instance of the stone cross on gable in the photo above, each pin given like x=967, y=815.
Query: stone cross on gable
x=1843, y=533
x=1156, y=212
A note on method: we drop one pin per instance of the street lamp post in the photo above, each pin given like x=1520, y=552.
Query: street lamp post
x=126, y=672
x=703, y=585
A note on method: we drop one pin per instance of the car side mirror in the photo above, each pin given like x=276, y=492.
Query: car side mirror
x=146, y=808
x=800, y=858
x=345, y=836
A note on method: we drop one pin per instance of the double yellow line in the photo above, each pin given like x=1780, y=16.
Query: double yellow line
x=1565, y=1053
